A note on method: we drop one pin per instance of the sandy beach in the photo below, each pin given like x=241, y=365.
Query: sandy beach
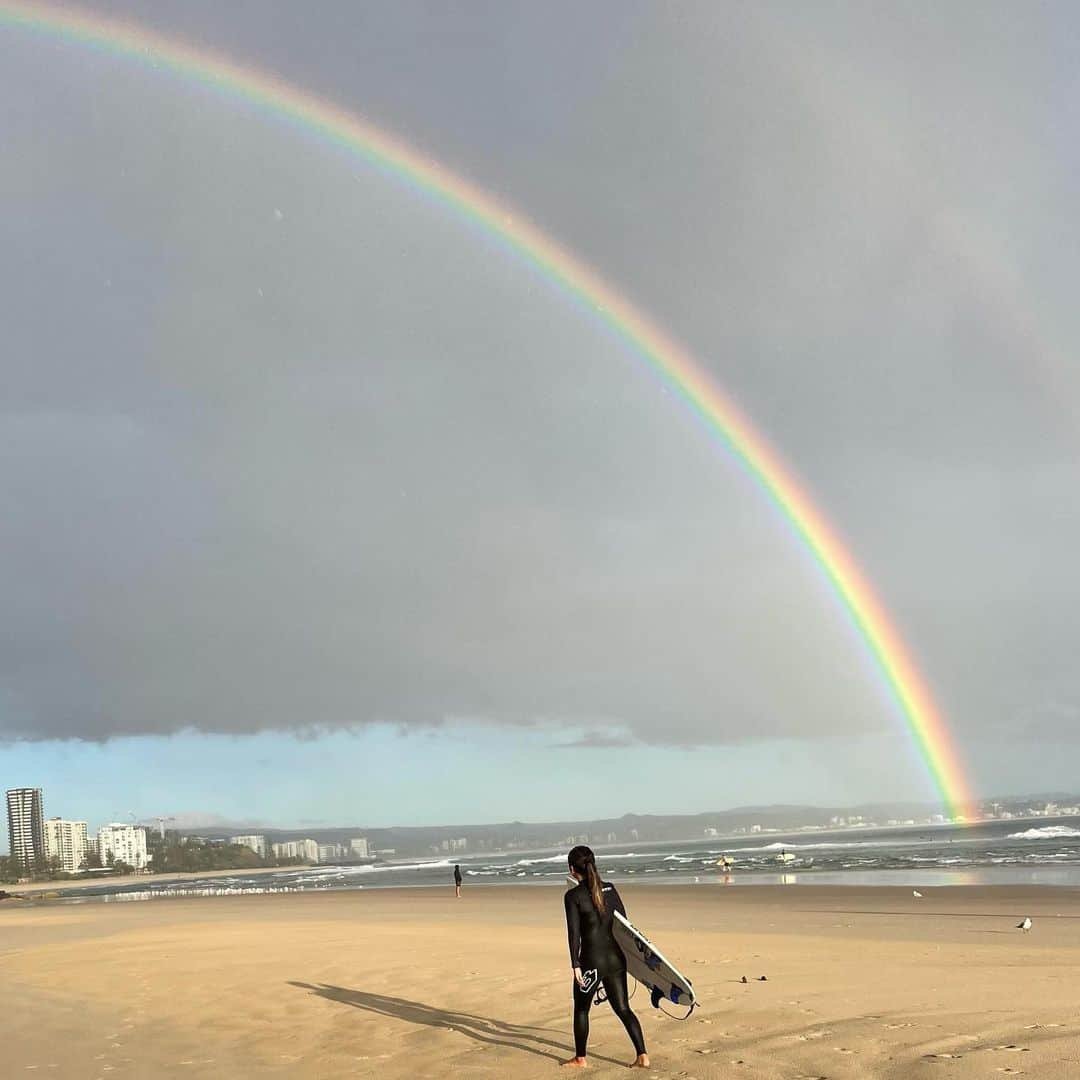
x=404, y=983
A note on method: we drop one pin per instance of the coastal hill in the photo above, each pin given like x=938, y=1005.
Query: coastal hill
x=463, y=840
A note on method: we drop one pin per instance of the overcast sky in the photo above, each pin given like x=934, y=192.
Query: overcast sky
x=317, y=504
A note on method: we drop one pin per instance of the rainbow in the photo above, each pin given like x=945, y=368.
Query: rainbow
x=677, y=370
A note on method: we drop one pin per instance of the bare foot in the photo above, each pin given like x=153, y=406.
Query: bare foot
x=641, y=1062
x=575, y=1063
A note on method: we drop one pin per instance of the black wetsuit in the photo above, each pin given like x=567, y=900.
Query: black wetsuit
x=593, y=949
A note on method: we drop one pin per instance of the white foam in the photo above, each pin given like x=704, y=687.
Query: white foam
x=605, y=858
x=1049, y=832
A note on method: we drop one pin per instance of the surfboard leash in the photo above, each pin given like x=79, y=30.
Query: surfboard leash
x=657, y=997
x=693, y=1006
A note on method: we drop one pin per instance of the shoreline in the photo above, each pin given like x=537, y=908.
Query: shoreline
x=797, y=839
x=809, y=884
x=137, y=879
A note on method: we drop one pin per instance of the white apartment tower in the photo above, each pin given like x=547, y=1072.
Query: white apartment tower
x=257, y=843
x=285, y=850
x=329, y=853
x=307, y=850
x=26, y=830
x=358, y=846
x=125, y=843
x=65, y=841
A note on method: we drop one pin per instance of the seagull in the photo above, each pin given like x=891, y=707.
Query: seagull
x=1025, y=925
x=916, y=893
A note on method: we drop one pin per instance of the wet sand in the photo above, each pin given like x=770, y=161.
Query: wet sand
x=410, y=983
x=64, y=884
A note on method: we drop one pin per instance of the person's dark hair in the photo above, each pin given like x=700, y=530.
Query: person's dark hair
x=582, y=861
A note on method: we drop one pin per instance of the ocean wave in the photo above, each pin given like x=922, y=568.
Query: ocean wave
x=824, y=845
x=441, y=864
x=605, y=857
x=323, y=873
x=1049, y=832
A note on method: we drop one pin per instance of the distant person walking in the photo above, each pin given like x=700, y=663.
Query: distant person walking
x=457, y=881
x=595, y=955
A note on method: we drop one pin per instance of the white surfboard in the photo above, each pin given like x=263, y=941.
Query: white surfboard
x=650, y=967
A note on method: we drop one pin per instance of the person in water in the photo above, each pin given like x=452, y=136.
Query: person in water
x=457, y=881
x=595, y=955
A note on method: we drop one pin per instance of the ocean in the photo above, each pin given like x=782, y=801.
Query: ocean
x=1029, y=852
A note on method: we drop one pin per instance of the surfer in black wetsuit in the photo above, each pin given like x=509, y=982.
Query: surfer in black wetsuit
x=457, y=882
x=595, y=956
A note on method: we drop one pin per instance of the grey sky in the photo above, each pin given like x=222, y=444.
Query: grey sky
x=282, y=444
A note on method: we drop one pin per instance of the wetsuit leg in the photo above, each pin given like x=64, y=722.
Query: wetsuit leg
x=582, y=1003
x=619, y=1000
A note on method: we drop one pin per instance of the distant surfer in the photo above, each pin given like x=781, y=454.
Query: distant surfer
x=595, y=955
x=457, y=881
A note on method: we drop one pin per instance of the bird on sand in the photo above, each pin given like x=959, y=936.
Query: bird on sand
x=916, y=894
x=1025, y=925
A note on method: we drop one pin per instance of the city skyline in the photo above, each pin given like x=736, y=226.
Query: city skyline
x=1032, y=805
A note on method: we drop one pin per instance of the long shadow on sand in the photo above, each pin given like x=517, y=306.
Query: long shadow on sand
x=481, y=1028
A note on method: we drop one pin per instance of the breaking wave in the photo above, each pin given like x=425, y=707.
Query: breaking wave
x=1049, y=832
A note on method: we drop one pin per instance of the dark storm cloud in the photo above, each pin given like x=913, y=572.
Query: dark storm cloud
x=286, y=447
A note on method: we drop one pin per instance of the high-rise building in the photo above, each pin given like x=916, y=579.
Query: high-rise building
x=285, y=849
x=308, y=850
x=65, y=841
x=26, y=829
x=329, y=853
x=125, y=843
x=257, y=843
x=358, y=847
